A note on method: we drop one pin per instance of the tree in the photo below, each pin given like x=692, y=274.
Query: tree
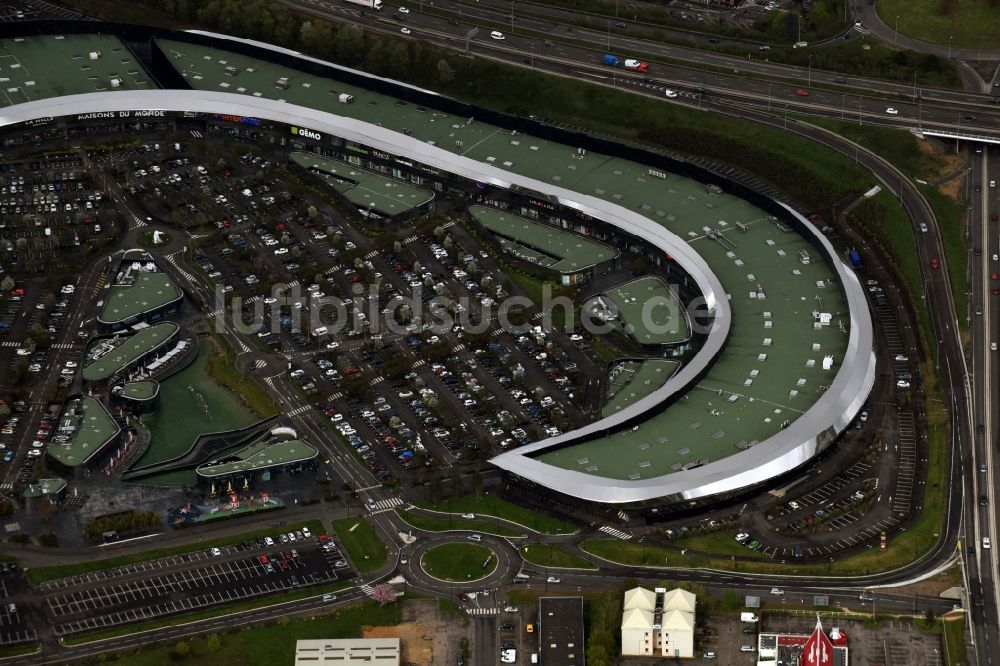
x=445, y=71
x=213, y=643
x=397, y=63
x=21, y=244
x=383, y=594
x=731, y=600
x=348, y=45
x=433, y=491
x=182, y=649
x=7, y=283
x=312, y=212
x=477, y=484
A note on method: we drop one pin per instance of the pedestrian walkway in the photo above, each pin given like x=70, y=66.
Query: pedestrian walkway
x=482, y=611
x=367, y=589
x=382, y=506
x=615, y=532
x=300, y=410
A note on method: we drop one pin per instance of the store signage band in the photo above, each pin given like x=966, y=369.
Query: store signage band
x=307, y=133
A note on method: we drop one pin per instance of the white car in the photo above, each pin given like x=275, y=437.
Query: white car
x=497, y=35
x=404, y=10
x=405, y=31
x=670, y=93
x=891, y=111
x=70, y=364
x=552, y=579
x=268, y=541
x=34, y=453
x=270, y=300
x=216, y=552
x=986, y=543
x=306, y=533
x=281, y=250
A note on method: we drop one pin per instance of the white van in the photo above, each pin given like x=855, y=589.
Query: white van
x=475, y=537
x=318, y=331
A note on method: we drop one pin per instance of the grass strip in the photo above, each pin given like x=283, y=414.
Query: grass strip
x=222, y=368
x=545, y=555
x=455, y=524
x=18, y=650
x=42, y=574
x=490, y=506
x=366, y=549
x=954, y=641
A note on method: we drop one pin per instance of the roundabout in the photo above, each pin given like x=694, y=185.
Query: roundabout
x=459, y=562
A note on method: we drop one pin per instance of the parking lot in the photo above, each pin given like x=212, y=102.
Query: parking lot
x=184, y=582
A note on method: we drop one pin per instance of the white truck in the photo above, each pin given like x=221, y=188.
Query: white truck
x=369, y=4
x=346, y=99
x=748, y=617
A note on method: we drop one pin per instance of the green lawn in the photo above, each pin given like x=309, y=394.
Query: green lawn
x=445, y=525
x=41, y=574
x=366, y=550
x=552, y=556
x=973, y=23
x=272, y=643
x=954, y=635
x=459, y=561
x=191, y=404
x=489, y=506
x=721, y=542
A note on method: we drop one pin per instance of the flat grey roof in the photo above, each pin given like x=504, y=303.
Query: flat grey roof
x=135, y=346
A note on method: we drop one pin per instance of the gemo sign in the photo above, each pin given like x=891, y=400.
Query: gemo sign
x=307, y=133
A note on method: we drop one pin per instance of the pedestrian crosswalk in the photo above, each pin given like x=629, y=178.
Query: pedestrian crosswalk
x=482, y=611
x=378, y=380
x=64, y=345
x=196, y=134
x=372, y=254
x=409, y=240
x=458, y=347
x=6, y=485
x=333, y=269
x=299, y=410
x=10, y=343
x=615, y=532
x=382, y=506
x=419, y=362
x=173, y=262
x=336, y=396
x=367, y=589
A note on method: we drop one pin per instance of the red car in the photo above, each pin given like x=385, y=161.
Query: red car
x=935, y=264
x=802, y=93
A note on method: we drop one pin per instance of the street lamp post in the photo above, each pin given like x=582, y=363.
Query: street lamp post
x=895, y=36
x=810, y=70
x=768, y=96
x=949, y=47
